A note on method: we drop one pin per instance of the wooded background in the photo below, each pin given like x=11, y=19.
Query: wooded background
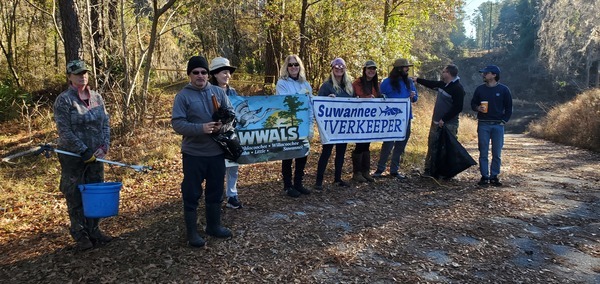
x=136, y=47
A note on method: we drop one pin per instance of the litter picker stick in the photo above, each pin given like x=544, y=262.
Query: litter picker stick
x=46, y=149
x=35, y=151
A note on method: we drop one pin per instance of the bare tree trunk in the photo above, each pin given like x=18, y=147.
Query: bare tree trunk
x=596, y=78
x=10, y=29
x=90, y=39
x=273, y=49
x=70, y=22
x=303, y=35
x=153, y=38
x=386, y=15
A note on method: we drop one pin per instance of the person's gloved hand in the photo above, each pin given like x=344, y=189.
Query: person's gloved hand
x=101, y=152
x=88, y=156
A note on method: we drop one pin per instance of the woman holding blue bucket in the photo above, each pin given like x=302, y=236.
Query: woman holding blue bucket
x=83, y=128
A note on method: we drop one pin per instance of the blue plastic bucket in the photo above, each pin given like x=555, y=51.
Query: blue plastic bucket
x=100, y=199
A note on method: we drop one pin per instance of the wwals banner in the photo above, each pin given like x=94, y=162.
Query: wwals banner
x=353, y=120
x=273, y=127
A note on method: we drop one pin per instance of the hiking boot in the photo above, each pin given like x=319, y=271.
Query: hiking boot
x=292, y=192
x=341, y=183
x=494, y=181
x=234, y=202
x=398, y=176
x=318, y=187
x=377, y=174
x=302, y=190
x=484, y=181
x=84, y=243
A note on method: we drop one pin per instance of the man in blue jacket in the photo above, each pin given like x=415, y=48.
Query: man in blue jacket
x=493, y=103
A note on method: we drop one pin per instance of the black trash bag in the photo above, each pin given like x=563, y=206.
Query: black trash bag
x=224, y=115
x=229, y=143
x=227, y=138
x=452, y=158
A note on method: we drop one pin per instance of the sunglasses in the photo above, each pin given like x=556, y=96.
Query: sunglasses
x=196, y=72
x=339, y=67
x=371, y=68
x=80, y=73
x=293, y=64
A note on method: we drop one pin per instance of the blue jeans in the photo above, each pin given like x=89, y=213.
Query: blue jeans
x=232, y=177
x=386, y=149
x=487, y=131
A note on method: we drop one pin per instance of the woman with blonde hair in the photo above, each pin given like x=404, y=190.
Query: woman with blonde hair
x=292, y=81
x=339, y=84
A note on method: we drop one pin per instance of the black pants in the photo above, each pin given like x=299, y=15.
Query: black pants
x=286, y=172
x=340, y=151
x=361, y=148
x=195, y=171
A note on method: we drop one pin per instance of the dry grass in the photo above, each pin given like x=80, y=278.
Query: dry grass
x=576, y=123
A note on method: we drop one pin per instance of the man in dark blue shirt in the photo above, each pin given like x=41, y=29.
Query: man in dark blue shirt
x=493, y=103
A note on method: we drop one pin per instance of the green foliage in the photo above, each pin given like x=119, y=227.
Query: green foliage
x=10, y=98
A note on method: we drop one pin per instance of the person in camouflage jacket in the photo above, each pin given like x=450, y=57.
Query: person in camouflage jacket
x=83, y=128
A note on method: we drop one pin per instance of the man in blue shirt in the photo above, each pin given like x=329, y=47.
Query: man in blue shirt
x=493, y=103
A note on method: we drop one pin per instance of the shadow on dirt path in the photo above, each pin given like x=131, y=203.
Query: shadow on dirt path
x=557, y=226
x=523, y=114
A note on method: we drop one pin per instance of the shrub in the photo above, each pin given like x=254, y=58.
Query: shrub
x=10, y=99
x=575, y=123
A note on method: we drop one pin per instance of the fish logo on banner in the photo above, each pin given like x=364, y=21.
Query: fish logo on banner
x=351, y=120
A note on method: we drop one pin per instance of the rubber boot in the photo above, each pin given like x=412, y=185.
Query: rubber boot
x=94, y=232
x=356, y=166
x=213, y=222
x=366, y=166
x=83, y=241
x=191, y=226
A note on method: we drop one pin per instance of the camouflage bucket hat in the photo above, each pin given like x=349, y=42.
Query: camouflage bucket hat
x=76, y=67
